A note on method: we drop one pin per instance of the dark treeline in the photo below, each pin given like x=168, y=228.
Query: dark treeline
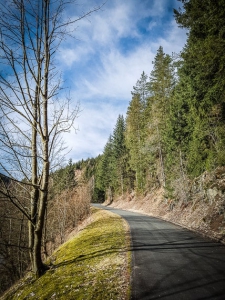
x=174, y=129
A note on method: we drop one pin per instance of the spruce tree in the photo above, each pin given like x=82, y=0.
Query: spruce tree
x=141, y=88
x=107, y=176
x=158, y=108
x=119, y=149
x=134, y=139
x=176, y=138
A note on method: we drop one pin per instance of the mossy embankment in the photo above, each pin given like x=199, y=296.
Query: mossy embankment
x=95, y=264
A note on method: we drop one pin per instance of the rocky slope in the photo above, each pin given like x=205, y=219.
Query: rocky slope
x=203, y=210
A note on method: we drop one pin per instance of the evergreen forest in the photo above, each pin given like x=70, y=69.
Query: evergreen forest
x=174, y=128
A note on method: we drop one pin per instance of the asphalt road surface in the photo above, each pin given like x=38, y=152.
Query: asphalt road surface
x=172, y=263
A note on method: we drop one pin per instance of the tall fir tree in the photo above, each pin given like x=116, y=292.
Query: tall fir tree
x=158, y=108
x=177, y=137
x=134, y=139
x=119, y=149
x=141, y=88
x=107, y=170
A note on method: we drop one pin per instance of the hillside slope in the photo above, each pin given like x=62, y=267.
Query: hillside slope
x=203, y=211
x=92, y=265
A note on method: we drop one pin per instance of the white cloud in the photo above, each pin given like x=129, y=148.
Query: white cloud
x=67, y=55
x=95, y=123
x=152, y=25
x=118, y=74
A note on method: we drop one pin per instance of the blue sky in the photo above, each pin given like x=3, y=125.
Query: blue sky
x=102, y=64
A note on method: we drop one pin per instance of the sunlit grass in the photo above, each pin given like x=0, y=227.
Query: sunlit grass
x=95, y=264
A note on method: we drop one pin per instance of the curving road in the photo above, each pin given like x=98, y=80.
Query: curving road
x=172, y=263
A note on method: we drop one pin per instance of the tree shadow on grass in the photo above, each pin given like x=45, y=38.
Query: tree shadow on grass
x=91, y=255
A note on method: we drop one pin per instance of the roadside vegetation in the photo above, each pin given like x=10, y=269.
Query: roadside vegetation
x=169, y=147
x=174, y=128
x=95, y=264
x=68, y=206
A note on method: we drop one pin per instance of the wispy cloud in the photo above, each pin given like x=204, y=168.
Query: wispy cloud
x=94, y=125
x=117, y=74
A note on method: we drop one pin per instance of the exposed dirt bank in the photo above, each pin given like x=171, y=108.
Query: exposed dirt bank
x=203, y=212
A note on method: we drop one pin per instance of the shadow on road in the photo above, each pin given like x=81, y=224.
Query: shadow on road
x=173, y=263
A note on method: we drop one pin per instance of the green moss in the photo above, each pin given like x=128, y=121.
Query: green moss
x=95, y=264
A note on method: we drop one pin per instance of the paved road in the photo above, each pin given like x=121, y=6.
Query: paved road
x=172, y=263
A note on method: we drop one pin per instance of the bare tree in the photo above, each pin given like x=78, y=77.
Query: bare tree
x=32, y=116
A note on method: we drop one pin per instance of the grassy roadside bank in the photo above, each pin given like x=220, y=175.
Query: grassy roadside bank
x=95, y=264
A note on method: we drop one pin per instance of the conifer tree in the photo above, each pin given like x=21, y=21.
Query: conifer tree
x=176, y=139
x=141, y=88
x=99, y=189
x=134, y=139
x=106, y=173
x=119, y=149
x=203, y=65
x=70, y=175
x=161, y=86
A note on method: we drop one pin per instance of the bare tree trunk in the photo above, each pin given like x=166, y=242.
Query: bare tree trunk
x=38, y=266
x=161, y=161
x=184, y=178
x=19, y=256
x=34, y=162
x=35, y=191
x=37, y=257
x=121, y=179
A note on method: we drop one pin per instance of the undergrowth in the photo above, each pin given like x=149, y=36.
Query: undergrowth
x=95, y=264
